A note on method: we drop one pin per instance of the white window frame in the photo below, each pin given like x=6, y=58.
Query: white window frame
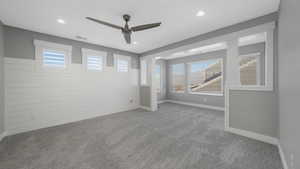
x=144, y=72
x=269, y=64
x=122, y=57
x=88, y=52
x=258, y=64
x=171, y=78
x=42, y=46
x=268, y=28
x=160, y=78
x=205, y=93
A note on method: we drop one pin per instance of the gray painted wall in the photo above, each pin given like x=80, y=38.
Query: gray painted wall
x=145, y=96
x=1, y=79
x=289, y=81
x=230, y=29
x=19, y=43
x=254, y=111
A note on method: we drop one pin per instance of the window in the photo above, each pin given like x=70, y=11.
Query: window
x=93, y=60
x=95, y=63
x=250, y=69
x=52, y=55
x=206, y=77
x=252, y=59
x=54, y=58
x=144, y=71
x=122, y=63
x=157, y=77
x=178, y=78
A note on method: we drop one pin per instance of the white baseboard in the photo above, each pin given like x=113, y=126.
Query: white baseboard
x=196, y=105
x=162, y=101
x=253, y=135
x=146, y=108
x=282, y=156
x=2, y=136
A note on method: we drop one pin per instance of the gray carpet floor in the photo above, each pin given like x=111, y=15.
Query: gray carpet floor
x=174, y=137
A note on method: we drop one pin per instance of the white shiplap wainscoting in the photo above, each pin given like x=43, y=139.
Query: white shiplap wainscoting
x=38, y=98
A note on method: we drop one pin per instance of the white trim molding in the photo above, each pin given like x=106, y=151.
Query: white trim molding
x=146, y=108
x=161, y=101
x=196, y=105
x=282, y=156
x=2, y=136
x=253, y=135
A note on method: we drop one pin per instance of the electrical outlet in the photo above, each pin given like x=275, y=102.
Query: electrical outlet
x=292, y=161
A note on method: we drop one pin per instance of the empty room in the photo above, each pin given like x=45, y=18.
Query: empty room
x=161, y=84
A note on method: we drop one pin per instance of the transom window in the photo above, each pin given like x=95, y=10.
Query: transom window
x=206, y=76
x=95, y=63
x=93, y=60
x=122, y=63
x=54, y=58
x=52, y=55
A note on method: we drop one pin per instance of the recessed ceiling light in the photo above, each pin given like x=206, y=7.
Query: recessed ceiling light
x=135, y=43
x=200, y=13
x=61, y=21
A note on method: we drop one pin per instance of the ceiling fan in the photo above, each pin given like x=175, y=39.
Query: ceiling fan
x=126, y=30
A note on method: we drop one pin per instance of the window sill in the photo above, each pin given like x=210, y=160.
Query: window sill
x=207, y=94
x=251, y=88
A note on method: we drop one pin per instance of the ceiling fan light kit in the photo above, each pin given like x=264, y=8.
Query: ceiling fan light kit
x=126, y=30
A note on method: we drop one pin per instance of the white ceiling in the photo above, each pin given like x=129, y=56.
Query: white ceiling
x=178, y=17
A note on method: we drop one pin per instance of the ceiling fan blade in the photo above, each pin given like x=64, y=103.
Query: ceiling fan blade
x=144, y=27
x=127, y=37
x=104, y=23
